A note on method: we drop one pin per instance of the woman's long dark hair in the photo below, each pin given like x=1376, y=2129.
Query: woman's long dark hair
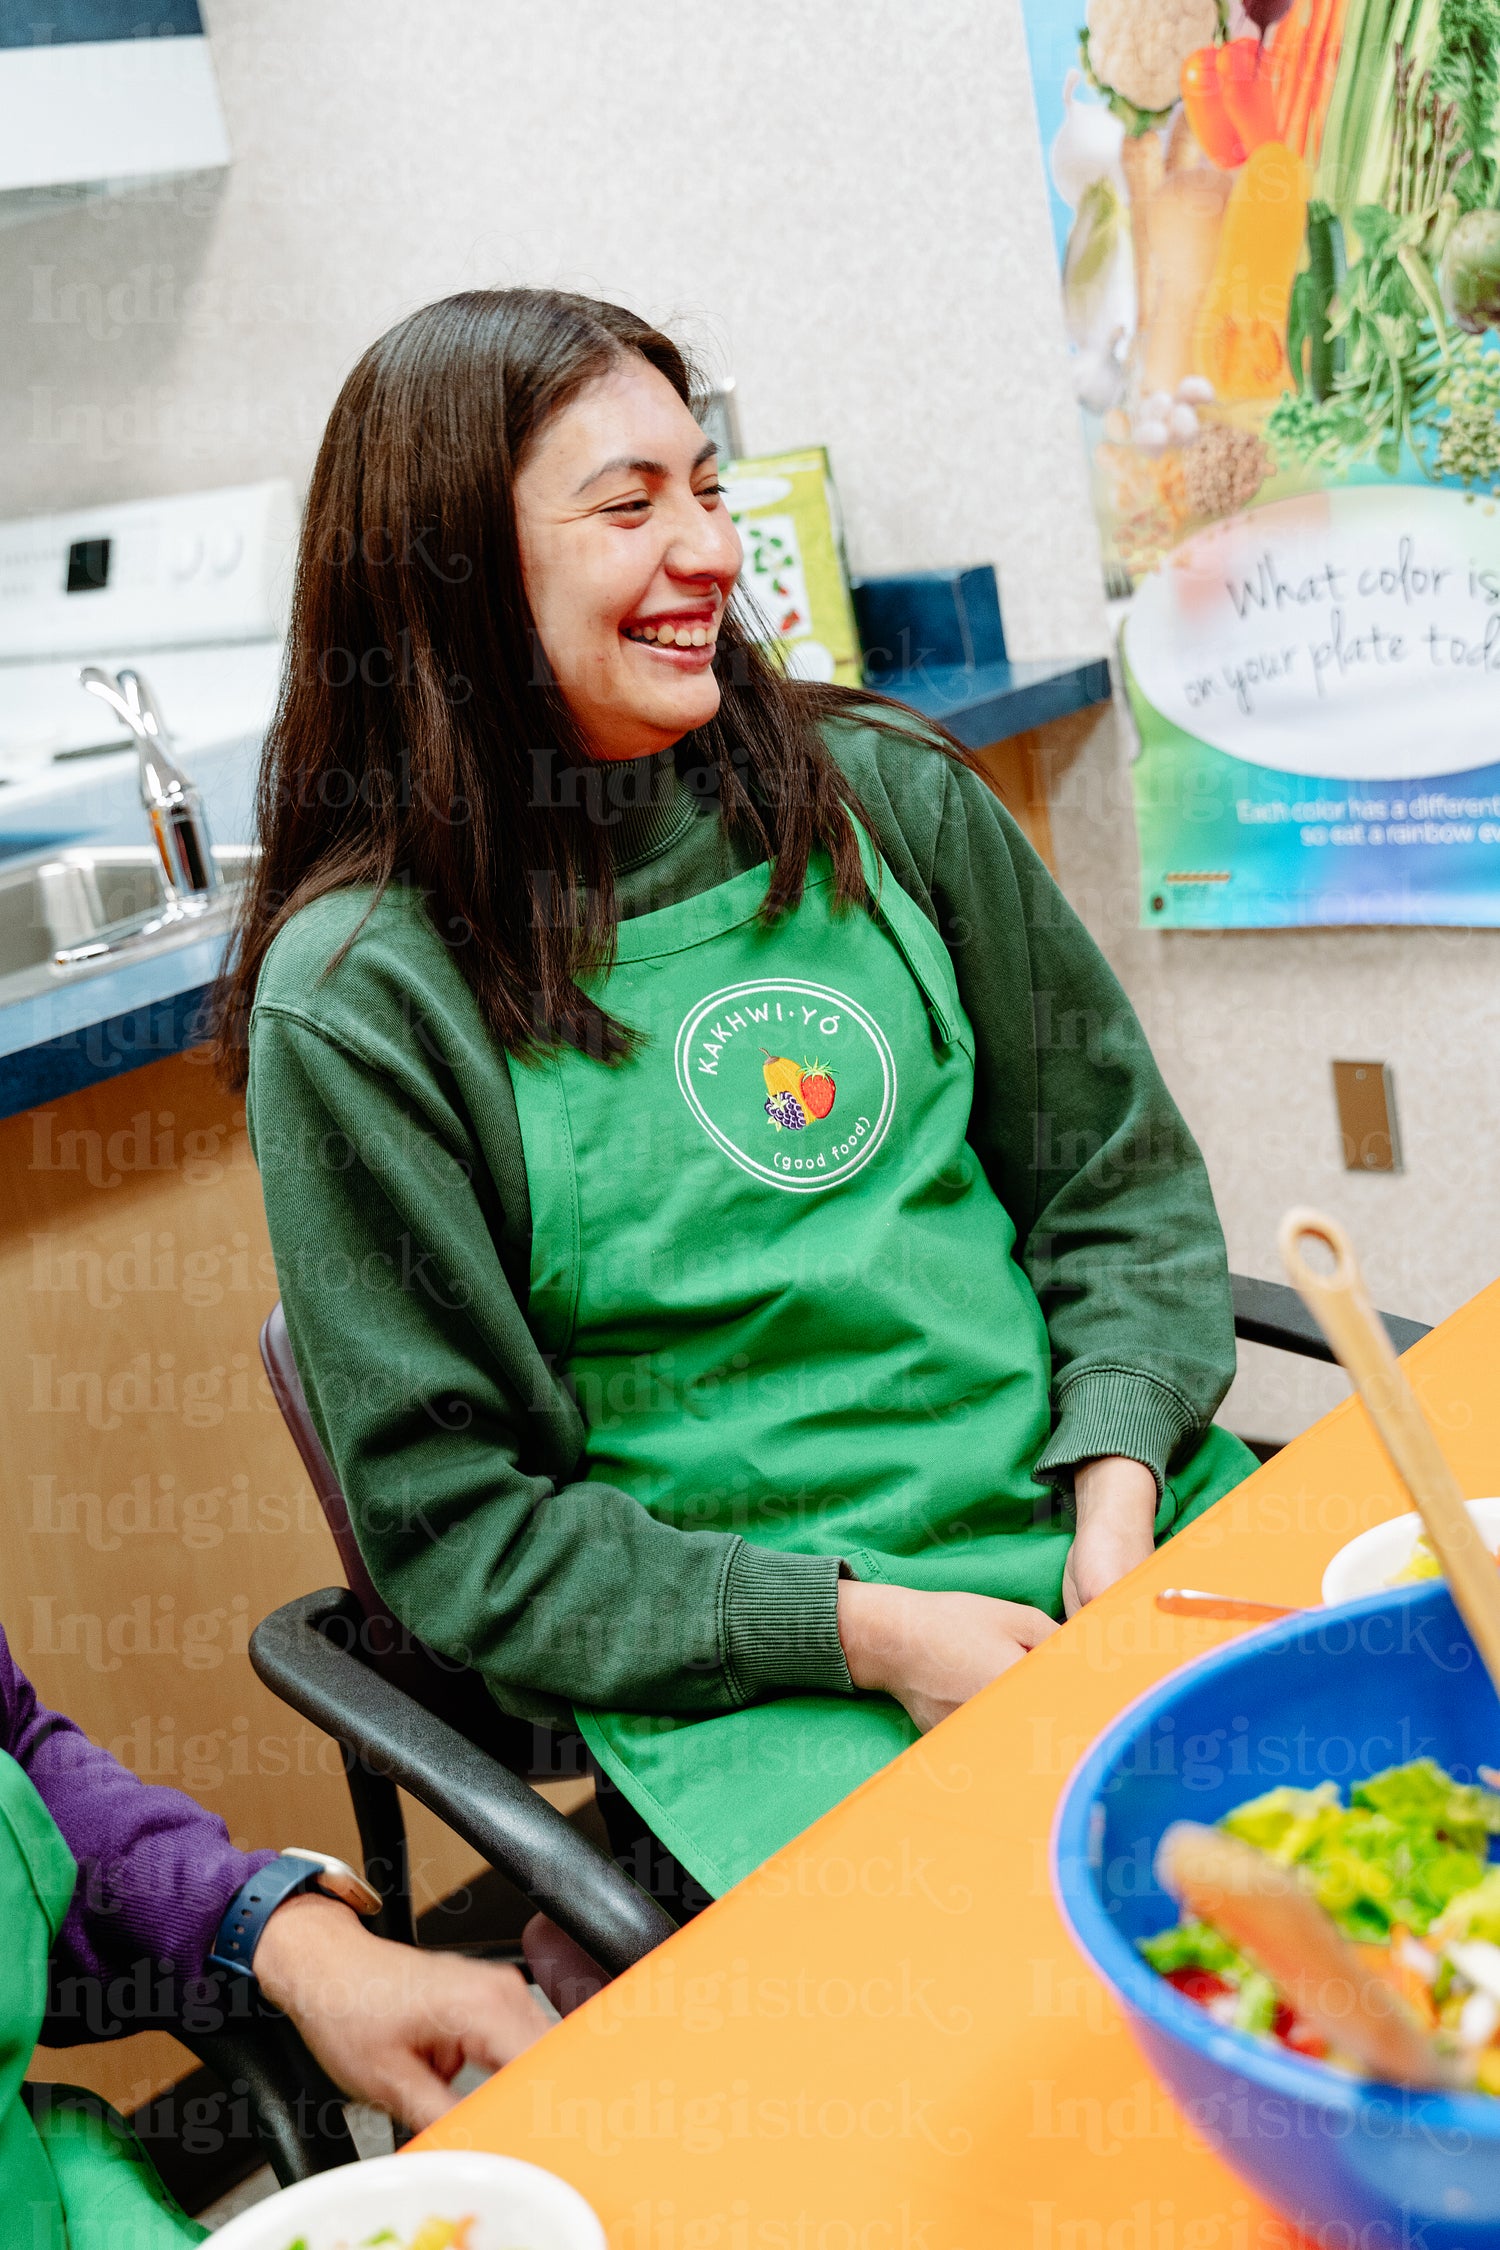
x=419, y=737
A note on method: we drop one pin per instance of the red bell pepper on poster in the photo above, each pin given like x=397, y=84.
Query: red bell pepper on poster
x=1203, y=100
x=1248, y=93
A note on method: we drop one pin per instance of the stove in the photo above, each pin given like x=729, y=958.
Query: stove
x=192, y=590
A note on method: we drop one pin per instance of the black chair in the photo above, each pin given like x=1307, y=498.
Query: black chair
x=297, y=2110
x=402, y=1714
x=1267, y=1312
x=256, y=2053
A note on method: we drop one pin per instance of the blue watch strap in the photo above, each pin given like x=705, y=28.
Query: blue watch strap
x=251, y=1908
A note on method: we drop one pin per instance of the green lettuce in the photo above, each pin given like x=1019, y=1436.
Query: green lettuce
x=1198, y=1945
x=1421, y=1795
x=1410, y=1840
x=1283, y=1821
x=1256, y=2005
x=1466, y=72
x=1409, y=1847
x=1195, y=1945
x=1474, y=1913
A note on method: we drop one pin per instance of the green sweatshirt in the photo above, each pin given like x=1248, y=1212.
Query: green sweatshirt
x=384, y=1124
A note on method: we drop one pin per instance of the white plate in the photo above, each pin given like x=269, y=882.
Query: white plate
x=1369, y=1563
x=516, y=2206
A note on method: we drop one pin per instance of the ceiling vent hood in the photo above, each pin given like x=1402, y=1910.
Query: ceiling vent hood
x=92, y=95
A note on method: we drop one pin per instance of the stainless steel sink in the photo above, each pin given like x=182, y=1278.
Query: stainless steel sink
x=80, y=895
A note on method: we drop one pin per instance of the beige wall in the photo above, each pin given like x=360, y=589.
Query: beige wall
x=843, y=202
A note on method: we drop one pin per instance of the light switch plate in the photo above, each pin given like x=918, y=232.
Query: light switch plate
x=1366, y=1101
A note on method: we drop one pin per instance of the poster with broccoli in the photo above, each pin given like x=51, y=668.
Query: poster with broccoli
x=1278, y=227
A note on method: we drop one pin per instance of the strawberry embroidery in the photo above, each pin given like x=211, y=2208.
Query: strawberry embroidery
x=817, y=1091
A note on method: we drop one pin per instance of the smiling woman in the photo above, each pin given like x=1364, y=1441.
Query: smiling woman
x=456, y=640
x=737, y=1334
x=629, y=561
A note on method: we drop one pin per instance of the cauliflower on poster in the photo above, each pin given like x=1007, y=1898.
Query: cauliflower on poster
x=1134, y=51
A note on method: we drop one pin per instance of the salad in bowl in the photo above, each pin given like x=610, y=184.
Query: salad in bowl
x=1402, y=1870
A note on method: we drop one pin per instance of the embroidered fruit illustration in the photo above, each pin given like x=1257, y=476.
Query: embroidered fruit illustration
x=816, y=1091
x=795, y=1091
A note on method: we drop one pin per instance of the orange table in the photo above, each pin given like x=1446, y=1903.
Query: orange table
x=883, y=2039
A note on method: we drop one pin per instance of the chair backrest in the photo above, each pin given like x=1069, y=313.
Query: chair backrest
x=286, y=1386
x=449, y=1690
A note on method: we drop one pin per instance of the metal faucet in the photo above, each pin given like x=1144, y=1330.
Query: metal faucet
x=174, y=807
x=173, y=803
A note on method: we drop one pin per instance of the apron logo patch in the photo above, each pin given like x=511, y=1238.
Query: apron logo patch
x=772, y=1114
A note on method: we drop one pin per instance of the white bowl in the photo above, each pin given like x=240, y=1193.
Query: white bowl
x=515, y=2206
x=1369, y=1563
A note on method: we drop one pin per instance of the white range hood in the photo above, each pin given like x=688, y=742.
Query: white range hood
x=99, y=91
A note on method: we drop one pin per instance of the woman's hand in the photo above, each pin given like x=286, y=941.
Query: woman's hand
x=1116, y=1511
x=932, y=1651
x=389, y=2024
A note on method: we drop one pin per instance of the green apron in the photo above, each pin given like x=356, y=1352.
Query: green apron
x=786, y=1296
x=73, y=2178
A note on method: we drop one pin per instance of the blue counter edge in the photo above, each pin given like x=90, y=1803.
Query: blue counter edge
x=990, y=701
x=95, y=1052
x=979, y=706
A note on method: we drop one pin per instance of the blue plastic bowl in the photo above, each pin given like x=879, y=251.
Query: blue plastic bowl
x=1333, y=1696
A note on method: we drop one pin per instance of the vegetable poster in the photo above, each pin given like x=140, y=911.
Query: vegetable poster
x=1278, y=223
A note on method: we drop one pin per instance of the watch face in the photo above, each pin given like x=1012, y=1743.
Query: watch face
x=337, y=1879
x=352, y=1889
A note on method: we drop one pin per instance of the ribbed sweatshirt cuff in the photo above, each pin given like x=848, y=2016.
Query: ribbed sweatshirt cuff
x=1115, y=1410
x=781, y=1623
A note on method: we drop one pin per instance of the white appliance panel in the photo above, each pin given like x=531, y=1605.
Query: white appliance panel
x=198, y=567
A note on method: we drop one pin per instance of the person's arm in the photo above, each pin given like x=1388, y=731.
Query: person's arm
x=933, y=1651
x=1116, y=1507
x=456, y=1446
x=156, y=1875
x=1115, y=1222
x=155, y=1870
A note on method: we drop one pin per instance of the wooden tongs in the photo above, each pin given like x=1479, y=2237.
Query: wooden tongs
x=1268, y=1912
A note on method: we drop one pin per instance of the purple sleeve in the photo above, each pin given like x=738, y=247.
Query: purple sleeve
x=155, y=1871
